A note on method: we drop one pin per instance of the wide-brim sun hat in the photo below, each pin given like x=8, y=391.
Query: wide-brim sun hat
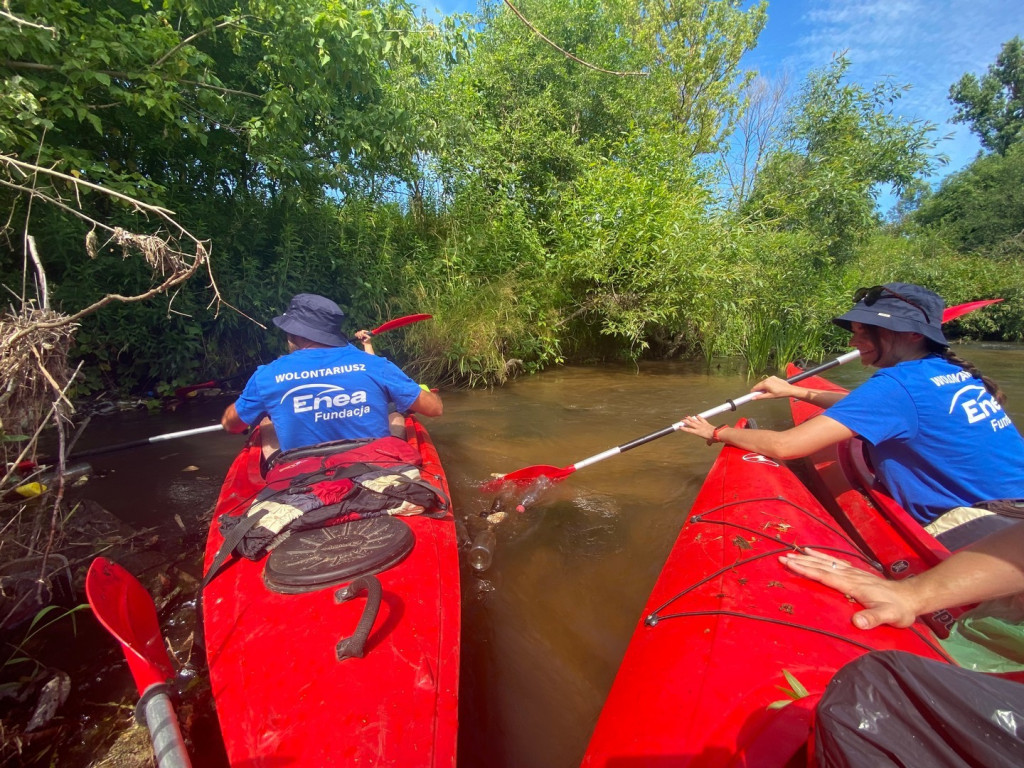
x=901, y=307
x=313, y=317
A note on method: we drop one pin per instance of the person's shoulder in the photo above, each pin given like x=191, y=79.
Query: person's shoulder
x=917, y=370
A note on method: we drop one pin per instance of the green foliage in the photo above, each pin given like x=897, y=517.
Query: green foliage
x=993, y=105
x=981, y=208
x=930, y=260
x=211, y=97
x=540, y=208
x=844, y=143
x=795, y=692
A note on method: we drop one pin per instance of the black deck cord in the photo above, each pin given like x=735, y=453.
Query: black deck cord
x=655, y=617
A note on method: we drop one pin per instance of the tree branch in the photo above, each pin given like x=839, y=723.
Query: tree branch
x=566, y=53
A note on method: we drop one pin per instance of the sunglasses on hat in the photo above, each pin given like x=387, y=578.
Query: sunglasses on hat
x=870, y=295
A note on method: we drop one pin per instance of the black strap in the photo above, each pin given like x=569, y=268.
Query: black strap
x=231, y=541
x=333, y=473
x=1004, y=507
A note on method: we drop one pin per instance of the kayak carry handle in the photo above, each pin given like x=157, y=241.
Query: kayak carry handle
x=355, y=646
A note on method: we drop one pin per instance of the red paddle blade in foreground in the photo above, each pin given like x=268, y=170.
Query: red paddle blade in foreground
x=527, y=475
x=125, y=608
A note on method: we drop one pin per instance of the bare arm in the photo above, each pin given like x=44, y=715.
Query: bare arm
x=795, y=443
x=987, y=569
x=231, y=422
x=366, y=339
x=428, y=403
x=773, y=387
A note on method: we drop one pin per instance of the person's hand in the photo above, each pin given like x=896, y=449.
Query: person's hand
x=698, y=425
x=884, y=601
x=773, y=387
x=364, y=336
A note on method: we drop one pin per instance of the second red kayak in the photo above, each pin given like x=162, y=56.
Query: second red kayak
x=733, y=651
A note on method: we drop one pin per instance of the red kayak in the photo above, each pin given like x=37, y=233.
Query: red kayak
x=842, y=478
x=306, y=674
x=733, y=651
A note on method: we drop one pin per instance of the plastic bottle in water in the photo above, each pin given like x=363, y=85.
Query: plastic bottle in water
x=482, y=550
x=533, y=493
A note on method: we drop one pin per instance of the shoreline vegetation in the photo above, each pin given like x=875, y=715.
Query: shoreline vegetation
x=172, y=174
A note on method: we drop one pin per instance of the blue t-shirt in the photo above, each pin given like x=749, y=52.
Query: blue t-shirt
x=937, y=438
x=326, y=393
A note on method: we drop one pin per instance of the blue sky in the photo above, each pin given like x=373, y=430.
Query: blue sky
x=928, y=44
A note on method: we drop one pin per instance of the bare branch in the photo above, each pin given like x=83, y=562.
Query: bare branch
x=23, y=23
x=566, y=53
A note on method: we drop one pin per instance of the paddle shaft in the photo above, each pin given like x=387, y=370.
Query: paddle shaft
x=164, y=731
x=728, y=405
x=145, y=441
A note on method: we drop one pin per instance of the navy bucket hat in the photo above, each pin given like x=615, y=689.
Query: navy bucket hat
x=901, y=307
x=315, y=318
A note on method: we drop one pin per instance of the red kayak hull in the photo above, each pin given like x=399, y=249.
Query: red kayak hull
x=705, y=670
x=283, y=698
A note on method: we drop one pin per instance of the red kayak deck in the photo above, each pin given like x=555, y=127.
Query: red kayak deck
x=282, y=696
x=726, y=622
x=842, y=478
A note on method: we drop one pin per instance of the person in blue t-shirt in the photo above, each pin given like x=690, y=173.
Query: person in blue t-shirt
x=935, y=427
x=324, y=389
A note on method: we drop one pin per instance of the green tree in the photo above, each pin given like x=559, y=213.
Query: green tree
x=844, y=145
x=243, y=118
x=981, y=208
x=993, y=105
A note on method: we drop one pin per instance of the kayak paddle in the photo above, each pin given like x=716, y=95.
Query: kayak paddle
x=125, y=608
x=145, y=441
x=529, y=474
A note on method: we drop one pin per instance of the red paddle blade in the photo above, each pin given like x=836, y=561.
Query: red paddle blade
x=398, y=322
x=952, y=313
x=527, y=476
x=126, y=609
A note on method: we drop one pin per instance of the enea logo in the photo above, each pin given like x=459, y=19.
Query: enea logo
x=976, y=408
x=327, y=401
x=757, y=458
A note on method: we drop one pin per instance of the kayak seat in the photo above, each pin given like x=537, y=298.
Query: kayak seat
x=310, y=560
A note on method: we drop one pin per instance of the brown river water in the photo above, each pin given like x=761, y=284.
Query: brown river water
x=545, y=627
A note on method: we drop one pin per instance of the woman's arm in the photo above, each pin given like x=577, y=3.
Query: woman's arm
x=773, y=387
x=803, y=440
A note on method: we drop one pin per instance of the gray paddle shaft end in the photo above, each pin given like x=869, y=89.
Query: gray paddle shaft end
x=157, y=713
